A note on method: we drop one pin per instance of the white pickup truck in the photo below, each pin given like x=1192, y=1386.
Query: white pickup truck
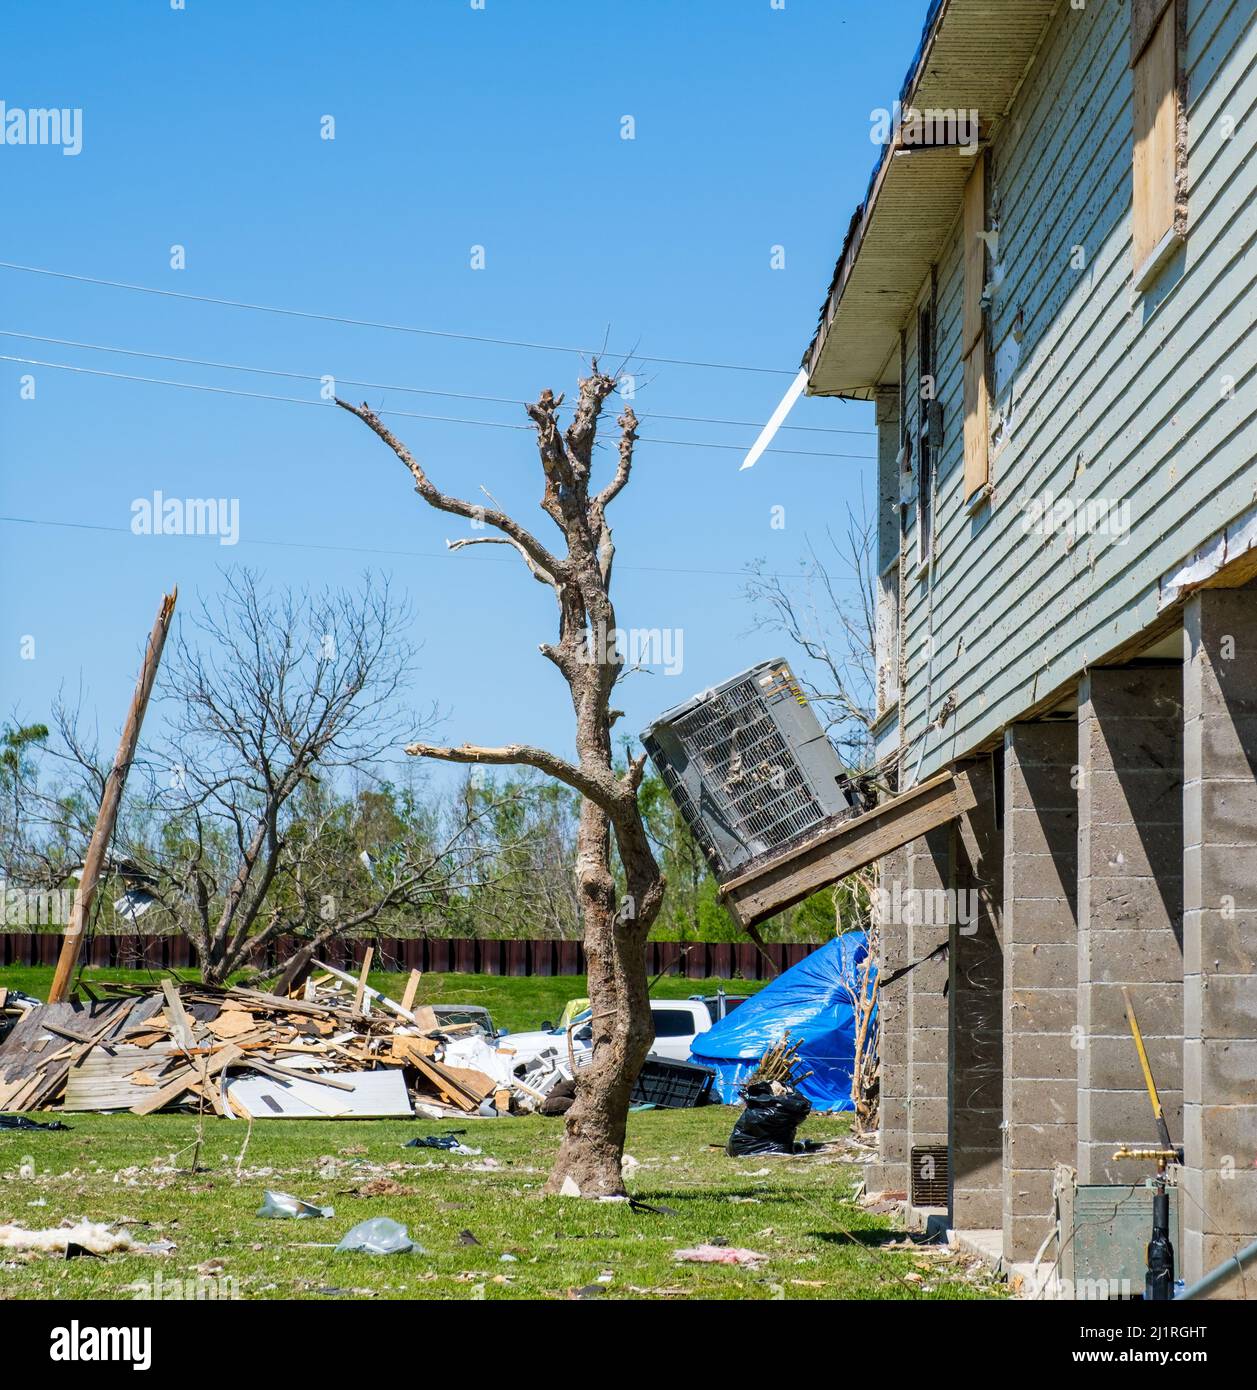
x=677, y=1023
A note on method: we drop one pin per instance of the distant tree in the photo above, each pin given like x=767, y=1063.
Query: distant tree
x=239, y=823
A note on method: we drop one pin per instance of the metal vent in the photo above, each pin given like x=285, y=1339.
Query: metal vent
x=748, y=766
x=930, y=1175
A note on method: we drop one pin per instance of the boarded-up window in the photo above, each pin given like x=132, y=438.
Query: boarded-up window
x=977, y=421
x=1155, y=73
x=977, y=438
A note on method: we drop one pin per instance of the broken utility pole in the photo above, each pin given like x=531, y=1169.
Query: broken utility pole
x=109, y=802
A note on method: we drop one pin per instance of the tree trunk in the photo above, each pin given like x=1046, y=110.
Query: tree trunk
x=615, y=950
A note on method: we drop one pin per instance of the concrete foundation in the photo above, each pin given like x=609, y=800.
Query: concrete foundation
x=1219, y=1182
x=890, y=1172
x=1040, y=1001
x=975, y=1013
x=1130, y=904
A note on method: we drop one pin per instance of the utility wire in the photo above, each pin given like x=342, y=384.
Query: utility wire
x=404, y=554
x=385, y=386
x=392, y=327
x=409, y=414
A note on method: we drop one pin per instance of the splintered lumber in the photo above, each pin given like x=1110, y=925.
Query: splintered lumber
x=361, y=990
x=382, y=999
x=180, y=1025
x=183, y=1080
x=412, y=988
x=460, y=1086
x=787, y=876
x=102, y=832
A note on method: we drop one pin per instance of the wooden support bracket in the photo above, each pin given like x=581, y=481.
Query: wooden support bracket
x=802, y=869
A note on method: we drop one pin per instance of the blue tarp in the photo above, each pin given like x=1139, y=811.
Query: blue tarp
x=812, y=1001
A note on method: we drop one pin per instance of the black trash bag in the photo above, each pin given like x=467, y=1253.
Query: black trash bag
x=21, y=1122
x=768, y=1123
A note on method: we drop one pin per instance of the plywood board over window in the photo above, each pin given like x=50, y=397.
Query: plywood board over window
x=977, y=422
x=1157, y=218
x=976, y=408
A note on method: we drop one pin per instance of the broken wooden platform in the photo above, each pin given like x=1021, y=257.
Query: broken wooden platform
x=787, y=877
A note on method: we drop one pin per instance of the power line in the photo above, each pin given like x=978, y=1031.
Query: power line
x=408, y=414
x=391, y=327
x=405, y=554
x=384, y=386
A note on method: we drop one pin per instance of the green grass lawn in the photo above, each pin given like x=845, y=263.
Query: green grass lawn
x=136, y=1173
x=516, y=1003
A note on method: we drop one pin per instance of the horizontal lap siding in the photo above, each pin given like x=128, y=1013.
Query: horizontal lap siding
x=1118, y=397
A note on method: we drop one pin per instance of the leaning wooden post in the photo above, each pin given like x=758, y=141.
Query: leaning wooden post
x=108, y=813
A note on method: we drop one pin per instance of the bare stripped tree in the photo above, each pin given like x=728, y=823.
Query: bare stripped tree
x=234, y=819
x=615, y=932
x=833, y=622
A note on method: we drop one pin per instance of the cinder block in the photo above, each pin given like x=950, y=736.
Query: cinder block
x=1158, y=1007
x=1028, y=1057
x=1051, y=921
x=1043, y=1011
x=1040, y=1147
x=1114, y=1118
x=976, y=1210
x=1041, y=831
x=1023, y=1235
x=928, y=1080
x=1033, y=965
x=1044, y=1102
x=1126, y=956
x=1218, y=942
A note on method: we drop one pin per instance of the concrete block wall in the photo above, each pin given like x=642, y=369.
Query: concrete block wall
x=975, y=1016
x=1040, y=930
x=1220, y=933
x=890, y=1172
x=1130, y=907
x=929, y=871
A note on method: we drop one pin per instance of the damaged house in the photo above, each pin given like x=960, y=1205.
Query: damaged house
x=1054, y=316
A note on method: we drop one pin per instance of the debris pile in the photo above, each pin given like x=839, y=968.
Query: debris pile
x=243, y=1053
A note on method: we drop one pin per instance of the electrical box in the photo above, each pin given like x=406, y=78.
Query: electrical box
x=1104, y=1234
x=749, y=766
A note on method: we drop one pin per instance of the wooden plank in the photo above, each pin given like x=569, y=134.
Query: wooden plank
x=360, y=992
x=779, y=883
x=180, y=1023
x=107, y=814
x=1155, y=82
x=974, y=254
x=977, y=421
x=184, y=1079
x=1144, y=18
x=412, y=988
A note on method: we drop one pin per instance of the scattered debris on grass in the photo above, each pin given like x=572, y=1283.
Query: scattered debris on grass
x=720, y=1255
x=284, y=1204
x=87, y=1237
x=243, y=1053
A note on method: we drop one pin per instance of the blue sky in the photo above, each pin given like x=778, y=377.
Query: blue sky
x=454, y=127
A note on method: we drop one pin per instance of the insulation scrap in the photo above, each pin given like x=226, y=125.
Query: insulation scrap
x=88, y=1235
x=720, y=1255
